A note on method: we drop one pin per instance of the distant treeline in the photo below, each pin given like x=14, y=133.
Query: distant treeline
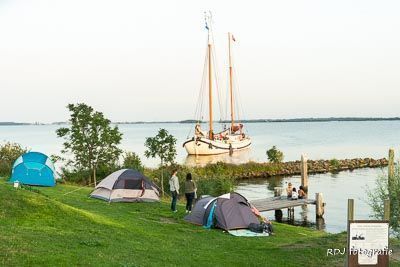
x=227, y=121
x=10, y=123
x=324, y=119
x=280, y=120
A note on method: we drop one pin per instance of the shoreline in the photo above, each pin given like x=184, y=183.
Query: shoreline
x=291, y=168
x=222, y=171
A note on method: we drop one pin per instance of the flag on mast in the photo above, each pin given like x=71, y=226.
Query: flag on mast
x=233, y=38
x=207, y=17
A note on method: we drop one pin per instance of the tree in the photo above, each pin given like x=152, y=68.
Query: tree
x=132, y=161
x=383, y=191
x=9, y=152
x=91, y=139
x=161, y=146
x=275, y=155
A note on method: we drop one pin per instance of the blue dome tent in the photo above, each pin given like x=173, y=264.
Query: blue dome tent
x=33, y=168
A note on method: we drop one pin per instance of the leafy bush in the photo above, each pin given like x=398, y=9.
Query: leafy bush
x=210, y=184
x=132, y=161
x=81, y=176
x=382, y=192
x=214, y=186
x=275, y=155
x=75, y=176
x=335, y=164
x=155, y=176
x=9, y=152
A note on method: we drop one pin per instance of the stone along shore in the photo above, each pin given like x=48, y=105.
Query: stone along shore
x=314, y=166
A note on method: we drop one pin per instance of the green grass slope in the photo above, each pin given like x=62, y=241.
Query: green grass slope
x=48, y=228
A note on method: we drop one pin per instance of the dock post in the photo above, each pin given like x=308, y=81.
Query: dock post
x=350, y=209
x=278, y=213
x=386, y=212
x=304, y=172
x=391, y=167
x=350, y=217
x=319, y=205
x=290, y=213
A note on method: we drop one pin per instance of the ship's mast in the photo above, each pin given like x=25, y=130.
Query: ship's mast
x=231, y=80
x=210, y=109
x=210, y=106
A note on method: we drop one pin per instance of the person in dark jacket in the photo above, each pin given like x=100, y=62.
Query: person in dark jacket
x=190, y=192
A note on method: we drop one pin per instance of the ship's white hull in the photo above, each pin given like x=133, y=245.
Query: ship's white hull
x=205, y=146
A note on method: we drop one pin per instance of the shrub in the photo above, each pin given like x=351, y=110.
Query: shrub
x=210, y=184
x=335, y=164
x=132, y=161
x=275, y=155
x=80, y=176
x=75, y=176
x=382, y=192
x=9, y=152
x=214, y=186
x=155, y=176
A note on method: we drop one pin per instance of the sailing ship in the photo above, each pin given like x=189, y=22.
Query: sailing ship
x=230, y=139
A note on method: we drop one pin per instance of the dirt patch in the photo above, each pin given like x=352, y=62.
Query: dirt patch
x=167, y=220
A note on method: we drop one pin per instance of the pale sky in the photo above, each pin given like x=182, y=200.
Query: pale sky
x=142, y=60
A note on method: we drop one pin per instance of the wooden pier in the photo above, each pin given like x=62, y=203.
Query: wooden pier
x=279, y=202
x=282, y=202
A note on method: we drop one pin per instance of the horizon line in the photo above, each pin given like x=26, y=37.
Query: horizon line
x=304, y=119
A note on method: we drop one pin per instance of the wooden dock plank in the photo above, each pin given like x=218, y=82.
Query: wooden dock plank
x=278, y=203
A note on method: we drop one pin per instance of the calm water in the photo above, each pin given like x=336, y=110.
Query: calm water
x=336, y=189
x=318, y=140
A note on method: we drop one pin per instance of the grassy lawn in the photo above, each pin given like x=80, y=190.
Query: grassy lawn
x=52, y=229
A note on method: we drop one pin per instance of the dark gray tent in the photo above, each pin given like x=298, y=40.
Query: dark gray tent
x=199, y=210
x=228, y=212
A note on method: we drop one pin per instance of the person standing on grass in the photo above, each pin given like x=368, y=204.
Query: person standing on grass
x=174, y=188
x=190, y=191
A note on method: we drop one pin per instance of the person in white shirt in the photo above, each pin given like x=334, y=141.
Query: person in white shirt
x=174, y=188
x=294, y=193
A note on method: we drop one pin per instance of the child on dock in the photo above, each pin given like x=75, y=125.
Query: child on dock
x=294, y=194
x=302, y=193
x=289, y=190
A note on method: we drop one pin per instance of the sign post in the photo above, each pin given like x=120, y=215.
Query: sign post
x=367, y=241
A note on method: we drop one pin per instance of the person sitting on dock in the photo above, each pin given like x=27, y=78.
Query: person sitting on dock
x=289, y=190
x=294, y=193
x=302, y=194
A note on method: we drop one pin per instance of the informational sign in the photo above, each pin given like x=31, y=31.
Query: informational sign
x=369, y=241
